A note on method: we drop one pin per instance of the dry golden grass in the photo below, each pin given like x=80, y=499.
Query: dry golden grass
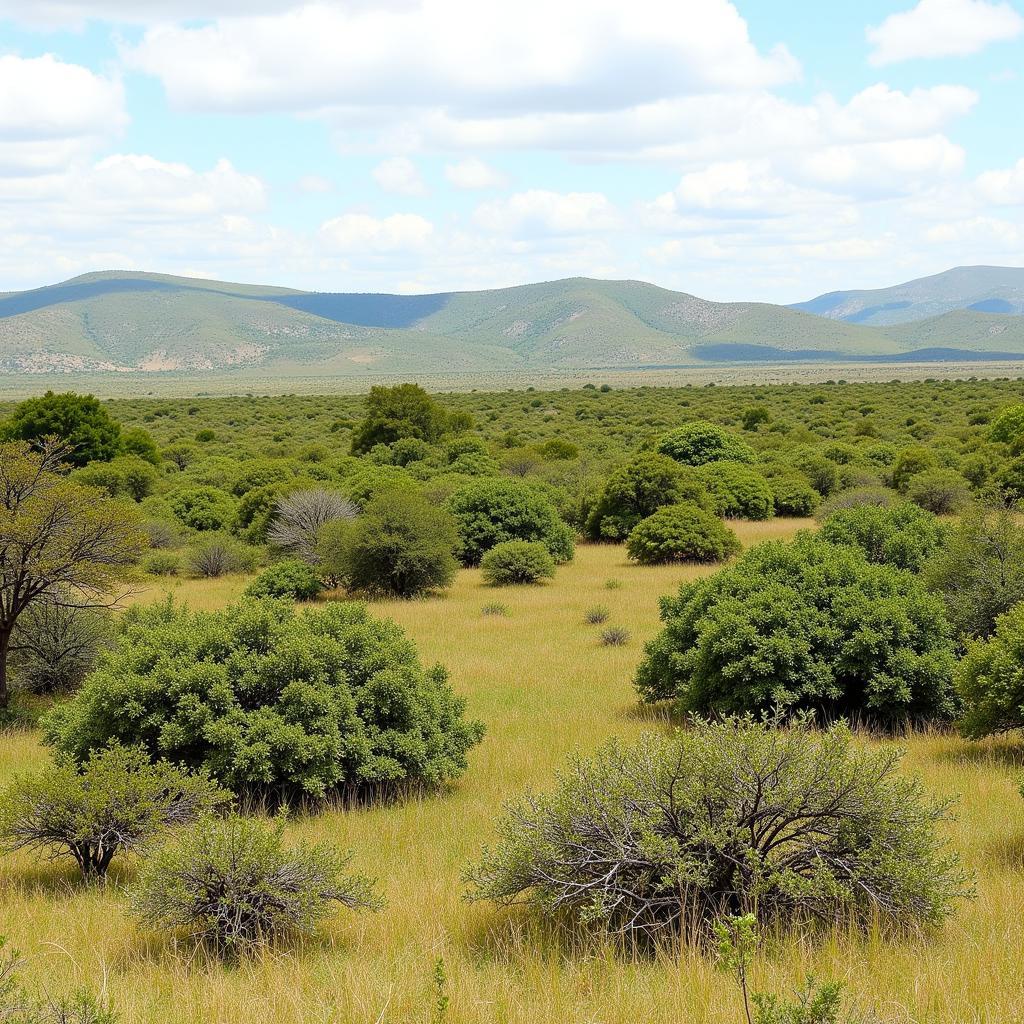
x=545, y=687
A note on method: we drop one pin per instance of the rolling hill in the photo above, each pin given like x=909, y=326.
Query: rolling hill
x=152, y=323
x=975, y=289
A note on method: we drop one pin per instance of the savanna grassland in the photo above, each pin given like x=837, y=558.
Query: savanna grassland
x=545, y=687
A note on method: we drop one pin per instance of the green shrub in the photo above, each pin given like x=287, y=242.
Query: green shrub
x=979, y=570
x=942, y=491
x=124, y=476
x=116, y=800
x=202, y=508
x=400, y=546
x=736, y=816
x=681, y=533
x=162, y=563
x=491, y=510
x=857, y=497
x=902, y=535
x=517, y=561
x=639, y=489
x=393, y=413
x=267, y=699
x=911, y=461
x=1008, y=425
x=990, y=679
x=821, y=472
x=232, y=884
x=78, y=420
x=808, y=625
x=701, y=442
x=738, y=491
x=291, y=578
x=792, y=495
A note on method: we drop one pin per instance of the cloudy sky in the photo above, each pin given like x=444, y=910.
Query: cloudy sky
x=767, y=149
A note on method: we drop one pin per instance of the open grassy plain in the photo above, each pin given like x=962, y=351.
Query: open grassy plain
x=545, y=687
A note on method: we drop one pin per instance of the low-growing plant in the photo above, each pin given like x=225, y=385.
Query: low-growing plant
x=681, y=533
x=495, y=608
x=942, y=491
x=596, y=615
x=232, y=884
x=614, y=636
x=162, y=563
x=291, y=578
x=612, y=583
x=116, y=801
x=730, y=817
x=517, y=562
x=219, y=554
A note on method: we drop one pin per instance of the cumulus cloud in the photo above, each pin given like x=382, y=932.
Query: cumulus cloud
x=361, y=232
x=943, y=28
x=541, y=212
x=1003, y=187
x=472, y=173
x=400, y=176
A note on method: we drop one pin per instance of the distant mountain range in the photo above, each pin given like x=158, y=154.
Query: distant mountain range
x=153, y=323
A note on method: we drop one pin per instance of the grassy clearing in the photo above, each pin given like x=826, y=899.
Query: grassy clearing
x=545, y=687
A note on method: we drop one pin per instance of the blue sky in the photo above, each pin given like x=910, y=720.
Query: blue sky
x=746, y=150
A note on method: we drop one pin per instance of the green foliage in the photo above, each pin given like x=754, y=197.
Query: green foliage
x=736, y=816
x=855, y=498
x=232, y=884
x=290, y=578
x=792, y=495
x=911, y=461
x=80, y=421
x=136, y=441
x=942, y=491
x=701, y=442
x=1008, y=425
x=979, y=570
x=405, y=410
x=116, y=801
x=124, y=476
x=681, y=533
x=268, y=699
x=753, y=416
x=738, y=491
x=400, y=546
x=517, y=561
x=491, y=510
x=640, y=488
x=808, y=625
x=990, y=678
x=202, y=508
x=902, y=535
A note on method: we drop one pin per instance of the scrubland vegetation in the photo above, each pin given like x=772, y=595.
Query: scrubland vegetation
x=585, y=705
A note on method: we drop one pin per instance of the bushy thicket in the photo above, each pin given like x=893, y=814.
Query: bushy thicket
x=990, y=678
x=265, y=699
x=517, y=561
x=701, y=442
x=738, y=491
x=736, y=816
x=805, y=625
x=290, y=578
x=902, y=535
x=681, y=533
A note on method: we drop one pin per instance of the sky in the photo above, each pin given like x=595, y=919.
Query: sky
x=760, y=150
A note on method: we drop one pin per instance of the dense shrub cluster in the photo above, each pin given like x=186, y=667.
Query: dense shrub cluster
x=701, y=442
x=681, y=533
x=902, y=534
x=517, y=561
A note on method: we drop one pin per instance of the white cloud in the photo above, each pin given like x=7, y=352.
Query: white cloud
x=52, y=112
x=460, y=55
x=399, y=175
x=360, y=232
x=314, y=184
x=943, y=28
x=75, y=14
x=472, y=173
x=540, y=212
x=1003, y=187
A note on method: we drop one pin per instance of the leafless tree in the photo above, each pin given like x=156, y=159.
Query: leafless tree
x=299, y=518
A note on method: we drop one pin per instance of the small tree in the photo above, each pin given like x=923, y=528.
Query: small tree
x=990, y=679
x=681, y=533
x=942, y=491
x=299, y=517
x=231, y=883
x=60, y=543
x=400, y=546
x=701, y=442
x=85, y=429
x=202, y=507
x=736, y=816
x=55, y=647
x=979, y=570
x=738, y=491
x=116, y=801
x=515, y=562
x=405, y=410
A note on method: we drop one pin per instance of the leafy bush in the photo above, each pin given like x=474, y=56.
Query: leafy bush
x=270, y=699
x=637, y=490
x=292, y=579
x=162, y=563
x=124, y=476
x=1008, y=425
x=232, y=884
x=979, y=570
x=393, y=413
x=902, y=535
x=78, y=420
x=55, y=647
x=491, y=510
x=737, y=491
x=517, y=561
x=202, y=508
x=401, y=545
x=807, y=625
x=116, y=800
x=793, y=495
x=942, y=491
x=857, y=497
x=681, y=533
x=991, y=681
x=218, y=554
x=911, y=461
x=701, y=442
x=737, y=816
x=496, y=608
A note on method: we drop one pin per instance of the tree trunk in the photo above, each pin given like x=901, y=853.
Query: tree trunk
x=5, y=644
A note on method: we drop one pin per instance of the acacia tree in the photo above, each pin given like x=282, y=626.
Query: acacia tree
x=61, y=543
